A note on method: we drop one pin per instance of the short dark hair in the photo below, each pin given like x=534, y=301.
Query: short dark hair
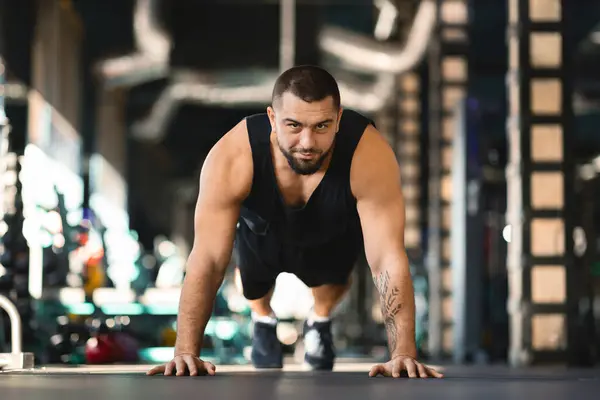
x=308, y=82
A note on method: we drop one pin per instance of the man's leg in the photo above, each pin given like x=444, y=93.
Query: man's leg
x=258, y=281
x=318, y=338
x=261, y=307
x=267, y=351
x=327, y=297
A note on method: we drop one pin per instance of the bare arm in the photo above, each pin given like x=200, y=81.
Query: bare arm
x=375, y=180
x=225, y=181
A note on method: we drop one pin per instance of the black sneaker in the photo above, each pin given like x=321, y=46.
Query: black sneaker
x=318, y=345
x=267, y=351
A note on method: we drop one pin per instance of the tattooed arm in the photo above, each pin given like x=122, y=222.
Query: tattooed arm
x=397, y=308
x=375, y=180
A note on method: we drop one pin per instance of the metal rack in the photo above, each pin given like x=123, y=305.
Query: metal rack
x=16, y=359
x=540, y=185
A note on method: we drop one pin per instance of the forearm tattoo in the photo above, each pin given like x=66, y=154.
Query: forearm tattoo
x=390, y=307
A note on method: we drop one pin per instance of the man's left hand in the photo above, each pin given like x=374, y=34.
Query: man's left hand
x=396, y=365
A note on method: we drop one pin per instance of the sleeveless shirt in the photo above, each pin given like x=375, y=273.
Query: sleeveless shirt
x=323, y=227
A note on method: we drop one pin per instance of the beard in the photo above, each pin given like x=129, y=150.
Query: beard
x=305, y=167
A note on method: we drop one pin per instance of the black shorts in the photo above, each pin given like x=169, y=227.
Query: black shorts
x=260, y=260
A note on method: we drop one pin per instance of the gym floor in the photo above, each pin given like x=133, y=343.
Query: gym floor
x=348, y=382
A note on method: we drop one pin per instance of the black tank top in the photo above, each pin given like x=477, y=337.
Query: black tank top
x=328, y=220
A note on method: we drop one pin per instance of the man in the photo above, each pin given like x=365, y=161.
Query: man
x=309, y=184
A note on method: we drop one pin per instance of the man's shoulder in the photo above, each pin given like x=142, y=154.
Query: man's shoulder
x=235, y=142
x=373, y=159
x=371, y=146
x=230, y=159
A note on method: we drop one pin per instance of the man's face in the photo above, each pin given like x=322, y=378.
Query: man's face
x=305, y=131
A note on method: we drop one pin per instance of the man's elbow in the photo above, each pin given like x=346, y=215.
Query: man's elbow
x=202, y=265
x=393, y=262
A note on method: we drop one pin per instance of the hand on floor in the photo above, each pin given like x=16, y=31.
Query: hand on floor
x=184, y=365
x=396, y=365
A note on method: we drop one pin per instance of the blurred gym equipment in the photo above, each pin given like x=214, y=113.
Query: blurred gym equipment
x=16, y=359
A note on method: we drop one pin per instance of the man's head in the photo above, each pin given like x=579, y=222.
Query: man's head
x=305, y=116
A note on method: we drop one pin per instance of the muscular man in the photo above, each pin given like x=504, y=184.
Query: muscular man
x=309, y=184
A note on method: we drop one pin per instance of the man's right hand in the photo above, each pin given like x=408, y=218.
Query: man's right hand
x=184, y=365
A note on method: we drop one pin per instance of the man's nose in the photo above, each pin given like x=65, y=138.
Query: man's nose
x=307, y=139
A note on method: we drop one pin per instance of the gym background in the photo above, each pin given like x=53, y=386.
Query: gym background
x=108, y=109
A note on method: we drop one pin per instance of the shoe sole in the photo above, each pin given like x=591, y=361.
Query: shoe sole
x=268, y=366
x=307, y=367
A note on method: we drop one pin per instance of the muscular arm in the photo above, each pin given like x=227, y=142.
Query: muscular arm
x=224, y=182
x=375, y=180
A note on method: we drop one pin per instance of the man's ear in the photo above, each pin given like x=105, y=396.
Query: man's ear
x=271, y=114
x=339, y=119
